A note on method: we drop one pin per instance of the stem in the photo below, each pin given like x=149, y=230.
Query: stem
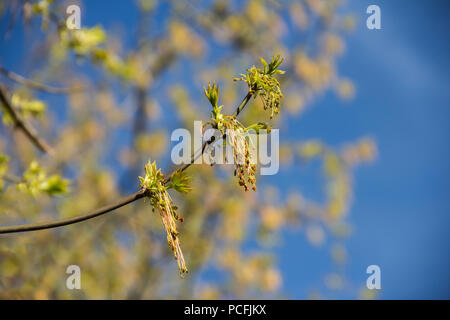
x=243, y=103
x=48, y=225
x=19, y=123
x=36, y=85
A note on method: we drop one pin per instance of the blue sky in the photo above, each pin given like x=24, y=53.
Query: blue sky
x=402, y=202
x=401, y=206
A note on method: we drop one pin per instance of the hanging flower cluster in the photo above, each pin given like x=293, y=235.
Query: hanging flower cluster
x=234, y=134
x=237, y=137
x=154, y=185
x=263, y=83
x=244, y=169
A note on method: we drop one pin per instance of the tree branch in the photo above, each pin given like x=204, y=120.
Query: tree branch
x=135, y=196
x=19, y=123
x=37, y=85
x=49, y=225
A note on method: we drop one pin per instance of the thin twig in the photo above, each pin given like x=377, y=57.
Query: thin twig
x=135, y=196
x=48, y=225
x=19, y=123
x=37, y=85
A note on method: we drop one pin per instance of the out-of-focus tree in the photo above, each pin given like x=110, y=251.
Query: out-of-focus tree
x=111, y=120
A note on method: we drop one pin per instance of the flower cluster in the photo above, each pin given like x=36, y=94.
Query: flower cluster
x=264, y=84
x=35, y=181
x=236, y=137
x=154, y=185
x=244, y=169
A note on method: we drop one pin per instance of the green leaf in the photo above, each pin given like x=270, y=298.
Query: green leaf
x=259, y=126
x=180, y=182
x=264, y=64
x=54, y=185
x=212, y=93
x=36, y=181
